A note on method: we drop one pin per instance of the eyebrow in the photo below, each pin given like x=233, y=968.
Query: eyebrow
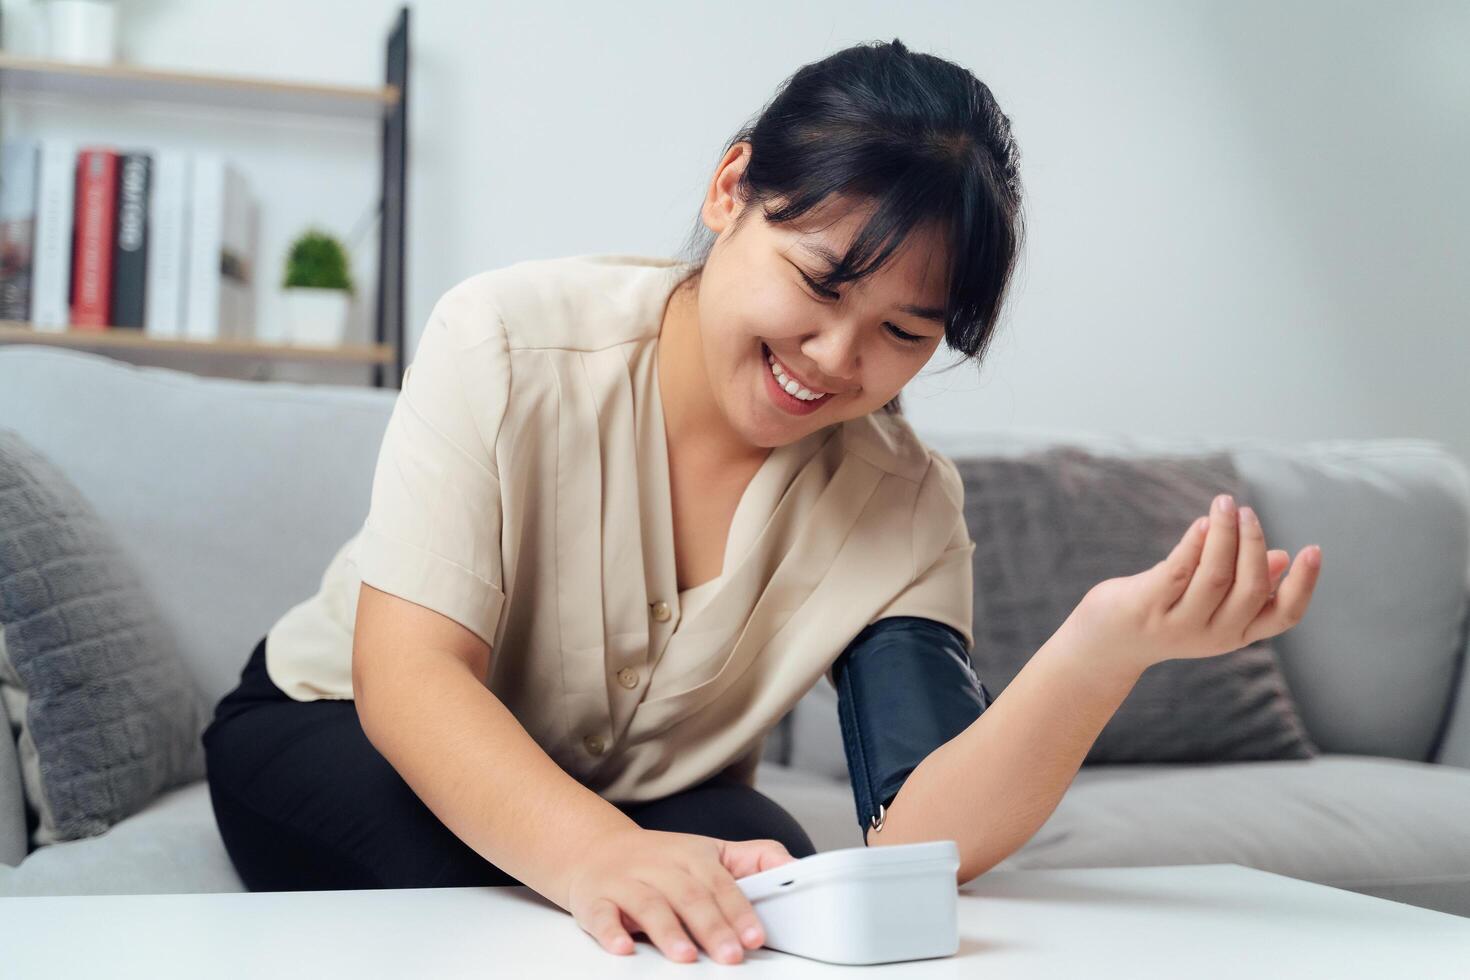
x=832, y=258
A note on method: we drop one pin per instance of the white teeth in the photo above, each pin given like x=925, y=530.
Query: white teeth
x=792, y=388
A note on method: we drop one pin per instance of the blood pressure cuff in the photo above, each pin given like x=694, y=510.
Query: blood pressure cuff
x=905, y=686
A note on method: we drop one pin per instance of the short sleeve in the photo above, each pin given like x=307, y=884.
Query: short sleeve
x=943, y=588
x=433, y=529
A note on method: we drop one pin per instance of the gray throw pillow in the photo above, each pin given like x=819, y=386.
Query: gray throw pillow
x=1050, y=525
x=109, y=716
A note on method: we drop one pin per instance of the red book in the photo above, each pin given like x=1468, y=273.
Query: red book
x=91, y=284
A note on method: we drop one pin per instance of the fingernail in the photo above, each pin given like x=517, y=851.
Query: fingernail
x=1201, y=524
x=1314, y=557
x=1225, y=503
x=752, y=935
x=729, y=950
x=1249, y=515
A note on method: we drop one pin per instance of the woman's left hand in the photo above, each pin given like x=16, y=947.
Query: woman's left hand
x=1214, y=593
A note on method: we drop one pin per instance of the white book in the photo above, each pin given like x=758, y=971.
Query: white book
x=168, y=214
x=238, y=259
x=206, y=223
x=51, y=260
x=220, y=291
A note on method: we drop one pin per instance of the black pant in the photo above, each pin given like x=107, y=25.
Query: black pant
x=304, y=801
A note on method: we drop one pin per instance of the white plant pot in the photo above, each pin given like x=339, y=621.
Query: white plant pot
x=80, y=30
x=316, y=317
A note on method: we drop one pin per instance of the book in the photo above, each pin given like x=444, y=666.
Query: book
x=18, y=162
x=223, y=231
x=168, y=237
x=55, y=224
x=130, y=240
x=96, y=193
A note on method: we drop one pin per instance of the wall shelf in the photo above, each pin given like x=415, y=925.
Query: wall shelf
x=128, y=82
x=119, y=338
x=386, y=105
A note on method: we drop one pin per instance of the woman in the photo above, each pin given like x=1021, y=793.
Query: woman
x=627, y=511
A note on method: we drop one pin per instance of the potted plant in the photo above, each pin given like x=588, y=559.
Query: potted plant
x=318, y=290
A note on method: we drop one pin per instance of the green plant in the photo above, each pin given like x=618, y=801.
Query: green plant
x=317, y=259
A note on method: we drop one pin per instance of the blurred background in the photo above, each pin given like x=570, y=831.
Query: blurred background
x=1244, y=219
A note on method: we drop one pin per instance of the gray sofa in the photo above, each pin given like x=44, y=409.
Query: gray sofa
x=231, y=496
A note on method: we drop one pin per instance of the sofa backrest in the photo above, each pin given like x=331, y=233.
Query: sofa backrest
x=232, y=496
x=1373, y=664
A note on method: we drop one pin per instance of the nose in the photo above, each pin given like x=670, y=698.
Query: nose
x=834, y=351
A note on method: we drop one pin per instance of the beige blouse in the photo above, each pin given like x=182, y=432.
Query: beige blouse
x=522, y=489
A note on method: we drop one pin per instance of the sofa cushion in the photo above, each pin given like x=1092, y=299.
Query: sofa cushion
x=1384, y=827
x=1388, y=827
x=171, y=846
x=821, y=804
x=109, y=714
x=1373, y=664
x=1392, y=592
x=1049, y=526
x=230, y=496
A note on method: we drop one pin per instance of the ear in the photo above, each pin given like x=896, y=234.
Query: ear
x=721, y=203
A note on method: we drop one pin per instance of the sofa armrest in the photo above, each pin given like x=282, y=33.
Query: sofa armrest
x=12, y=797
x=1454, y=745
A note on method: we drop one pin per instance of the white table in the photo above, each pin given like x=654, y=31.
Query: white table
x=1214, y=920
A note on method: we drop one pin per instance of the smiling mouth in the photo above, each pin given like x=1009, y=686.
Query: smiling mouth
x=786, y=377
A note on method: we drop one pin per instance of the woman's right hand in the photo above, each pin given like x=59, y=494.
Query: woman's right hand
x=647, y=881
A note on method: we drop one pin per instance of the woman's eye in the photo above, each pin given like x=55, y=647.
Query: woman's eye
x=906, y=337
x=903, y=335
x=824, y=293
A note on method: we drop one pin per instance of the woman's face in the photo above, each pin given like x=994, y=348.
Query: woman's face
x=852, y=349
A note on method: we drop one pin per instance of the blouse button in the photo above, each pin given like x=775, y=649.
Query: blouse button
x=628, y=677
x=661, y=611
x=593, y=744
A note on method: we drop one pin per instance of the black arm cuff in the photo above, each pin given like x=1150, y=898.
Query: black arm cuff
x=905, y=686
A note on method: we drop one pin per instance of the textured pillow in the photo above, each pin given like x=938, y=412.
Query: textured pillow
x=109, y=716
x=1050, y=525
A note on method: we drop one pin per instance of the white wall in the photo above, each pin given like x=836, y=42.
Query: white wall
x=1246, y=218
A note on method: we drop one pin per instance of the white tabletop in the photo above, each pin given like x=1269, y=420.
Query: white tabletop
x=1217, y=920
